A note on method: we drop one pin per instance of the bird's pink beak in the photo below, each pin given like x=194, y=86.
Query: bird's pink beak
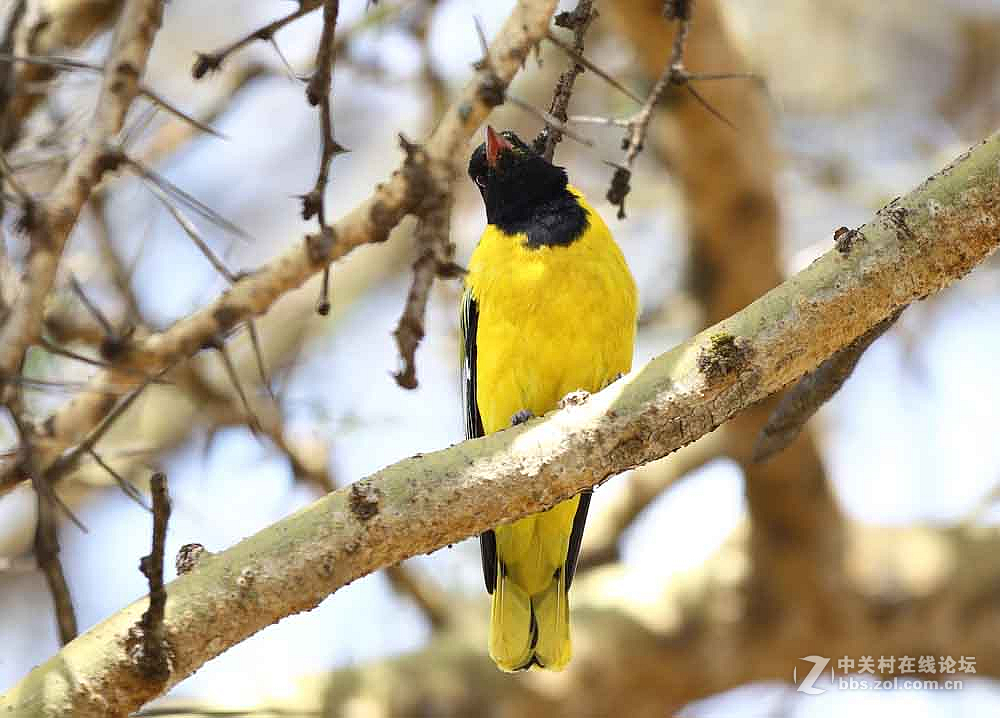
x=495, y=144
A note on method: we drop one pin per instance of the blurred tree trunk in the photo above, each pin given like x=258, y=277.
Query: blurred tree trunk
x=728, y=177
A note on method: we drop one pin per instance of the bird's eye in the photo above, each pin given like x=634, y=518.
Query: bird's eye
x=481, y=181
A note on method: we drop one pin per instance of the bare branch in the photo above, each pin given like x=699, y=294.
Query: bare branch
x=254, y=293
x=323, y=303
x=67, y=462
x=234, y=378
x=318, y=94
x=154, y=655
x=47, y=555
x=94, y=310
x=410, y=330
x=258, y=356
x=209, y=62
x=57, y=215
x=578, y=20
x=127, y=488
x=47, y=530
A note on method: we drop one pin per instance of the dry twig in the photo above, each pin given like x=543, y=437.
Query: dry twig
x=153, y=657
x=578, y=20
x=212, y=61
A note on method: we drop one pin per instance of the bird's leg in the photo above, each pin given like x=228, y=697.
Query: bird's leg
x=521, y=417
x=574, y=398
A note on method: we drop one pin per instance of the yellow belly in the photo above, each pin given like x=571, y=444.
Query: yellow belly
x=552, y=320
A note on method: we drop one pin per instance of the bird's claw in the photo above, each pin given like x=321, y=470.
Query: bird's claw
x=521, y=417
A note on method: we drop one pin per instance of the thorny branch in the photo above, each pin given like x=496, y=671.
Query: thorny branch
x=50, y=225
x=318, y=94
x=56, y=26
x=638, y=125
x=211, y=61
x=435, y=259
x=254, y=293
x=578, y=20
x=66, y=63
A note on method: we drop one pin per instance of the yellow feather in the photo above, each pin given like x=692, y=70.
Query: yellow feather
x=552, y=320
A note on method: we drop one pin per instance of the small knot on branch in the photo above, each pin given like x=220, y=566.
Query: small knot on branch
x=491, y=91
x=578, y=17
x=114, y=346
x=414, y=152
x=204, y=64
x=678, y=9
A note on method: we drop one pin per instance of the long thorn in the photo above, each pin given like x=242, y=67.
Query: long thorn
x=581, y=59
x=549, y=120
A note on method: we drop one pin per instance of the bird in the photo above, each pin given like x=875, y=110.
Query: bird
x=549, y=309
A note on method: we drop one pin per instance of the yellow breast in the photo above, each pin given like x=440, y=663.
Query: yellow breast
x=552, y=320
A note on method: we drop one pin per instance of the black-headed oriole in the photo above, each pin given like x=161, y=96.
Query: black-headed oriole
x=549, y=309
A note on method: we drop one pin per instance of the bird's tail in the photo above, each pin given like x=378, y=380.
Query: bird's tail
x=528, y=631
x=529, y=622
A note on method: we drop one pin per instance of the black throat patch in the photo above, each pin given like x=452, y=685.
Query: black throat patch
x=556, y=222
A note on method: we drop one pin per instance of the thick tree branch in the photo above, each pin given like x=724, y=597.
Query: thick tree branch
x=912, y=247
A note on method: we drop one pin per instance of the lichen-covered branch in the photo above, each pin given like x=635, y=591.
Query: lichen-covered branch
x=911, y=248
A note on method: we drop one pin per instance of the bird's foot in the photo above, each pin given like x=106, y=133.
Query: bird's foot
x=521, y=417
x=574, y=398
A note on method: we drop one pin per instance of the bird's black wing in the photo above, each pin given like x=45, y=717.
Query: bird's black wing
x=470, y=322
x=474, y=421
x=576, y=537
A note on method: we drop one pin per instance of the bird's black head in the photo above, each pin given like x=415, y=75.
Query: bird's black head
x=513, y=179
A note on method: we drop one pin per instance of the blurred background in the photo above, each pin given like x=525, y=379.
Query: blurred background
x=887, y=501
